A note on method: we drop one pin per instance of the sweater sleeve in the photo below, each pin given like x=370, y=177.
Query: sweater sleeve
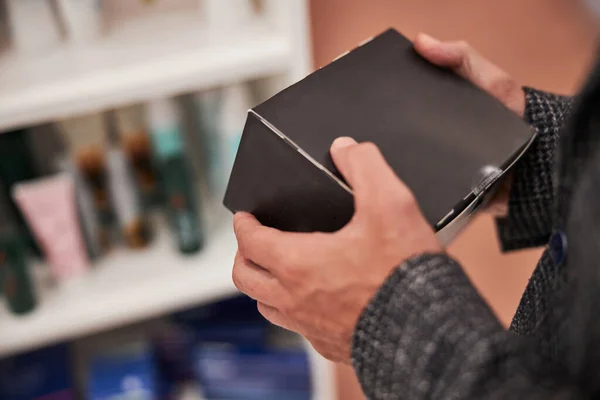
x=427, y=334
x=529, y=220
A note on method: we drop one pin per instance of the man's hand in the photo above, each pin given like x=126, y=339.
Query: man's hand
x=317, y=284
x=466, y=62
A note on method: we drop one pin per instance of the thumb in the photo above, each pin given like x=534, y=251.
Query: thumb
x=372, y=180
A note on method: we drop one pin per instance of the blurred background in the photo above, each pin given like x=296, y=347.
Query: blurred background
x=120, y=120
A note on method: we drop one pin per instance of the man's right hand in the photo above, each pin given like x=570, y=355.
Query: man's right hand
x=466, y=62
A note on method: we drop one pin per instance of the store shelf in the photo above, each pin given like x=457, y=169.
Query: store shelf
x=125, y=287
x=144, y=59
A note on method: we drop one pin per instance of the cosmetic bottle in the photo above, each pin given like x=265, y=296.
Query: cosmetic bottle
x=208, y=108
x=175, y=174
x=87, y=140
x=17, y=165
x=33, y=25
x=50, y=209
x=135, y=228
x=88, y=216
x=15, y=276
x=82, y=19
x=17, y=285
x=131, y=123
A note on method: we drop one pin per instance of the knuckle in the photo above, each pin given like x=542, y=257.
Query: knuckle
x=504, y=87
x=279, y=257
x=400, y=196
x=286, y=308
x=291, y=272
x=400, y=203
x=464, y=47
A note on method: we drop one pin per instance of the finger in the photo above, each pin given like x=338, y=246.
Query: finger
x=275, y=317
x=255, y=282
x=468, y=63
x=442, y=54
x=458, y=56
x=372, y=180
x=270, y=248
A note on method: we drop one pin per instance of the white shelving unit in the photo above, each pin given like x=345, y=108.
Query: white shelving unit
x=152, y=58
x=125, y=287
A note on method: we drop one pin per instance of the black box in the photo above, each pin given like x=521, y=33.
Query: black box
x=448, y=140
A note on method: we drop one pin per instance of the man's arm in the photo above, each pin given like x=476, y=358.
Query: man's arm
x=531, y=200
x=427, y=334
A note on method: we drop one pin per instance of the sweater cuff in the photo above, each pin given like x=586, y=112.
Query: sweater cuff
x=426, y=311
x=530, y=206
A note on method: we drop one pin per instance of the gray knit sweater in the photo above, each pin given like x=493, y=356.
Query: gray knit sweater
x=427, y=333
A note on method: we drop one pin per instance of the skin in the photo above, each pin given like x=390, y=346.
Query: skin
x=317, y=284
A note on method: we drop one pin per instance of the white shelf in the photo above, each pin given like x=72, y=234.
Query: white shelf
x=125, y=287
x=146, y=59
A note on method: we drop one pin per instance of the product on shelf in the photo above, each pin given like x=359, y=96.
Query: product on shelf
x=50, y=209
x=87, y=139
x=175, y=174
x=33, y=25
x=82, y=19
x=16, y=165
x=15, y=278
x=135, y=226
x=88, y=216
x=46, y=146
x=17, y=286
x=135, y=141
x=208, y=107
x=38, y=375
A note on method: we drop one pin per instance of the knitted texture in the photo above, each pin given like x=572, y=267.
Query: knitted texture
x=530, y=212
x=427, y=334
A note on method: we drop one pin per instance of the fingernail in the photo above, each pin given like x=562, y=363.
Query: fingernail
x=342, y=142
x=427, y=39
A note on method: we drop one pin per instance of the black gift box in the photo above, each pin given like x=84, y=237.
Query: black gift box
x=448, y=140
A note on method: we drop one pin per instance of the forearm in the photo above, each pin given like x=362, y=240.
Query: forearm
x=428, y=334
x=530, y=207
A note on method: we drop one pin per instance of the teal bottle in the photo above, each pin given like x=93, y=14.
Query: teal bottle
x=175, y=174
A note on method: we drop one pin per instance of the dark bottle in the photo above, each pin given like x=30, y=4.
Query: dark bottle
x=175, y=175
x=16, y=280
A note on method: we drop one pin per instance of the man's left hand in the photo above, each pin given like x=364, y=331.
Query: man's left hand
x=317, y=284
